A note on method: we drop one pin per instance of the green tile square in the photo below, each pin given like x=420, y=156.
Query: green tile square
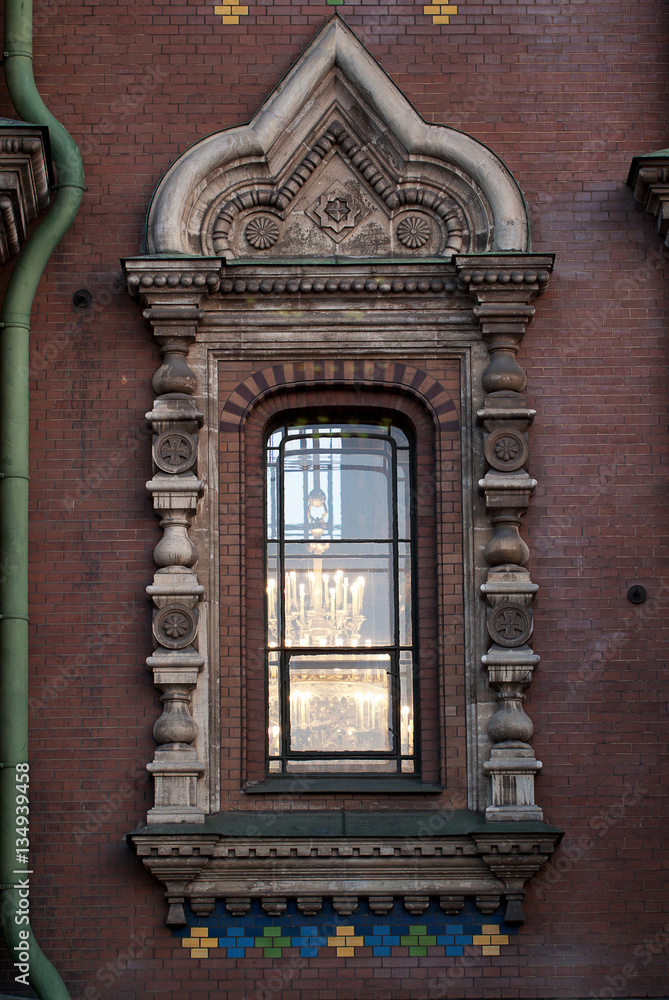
x=281, y=942
x=418, y=930
x=418, y=952
x=272, y=953
x=272, y=931
x=427, y=941
x=264, y=942
x=407, y=940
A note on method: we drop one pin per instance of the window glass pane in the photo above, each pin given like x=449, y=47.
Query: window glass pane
x=340, y=597
x=273, y=596
x=406, y=705
x=404, y=591
x=271, y=497
x=340, y=703
x=337, y=487
x=400, y=437
x=403, y=496
x=274, y=701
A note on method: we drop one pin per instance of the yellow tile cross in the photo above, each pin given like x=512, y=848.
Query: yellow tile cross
x=345, y=942
x=440, y=12
x=199, y=942
x=230, y=12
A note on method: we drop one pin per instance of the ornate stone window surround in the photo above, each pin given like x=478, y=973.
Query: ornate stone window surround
x=464, y=299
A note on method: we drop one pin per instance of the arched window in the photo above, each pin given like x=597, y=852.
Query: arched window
x=341, y=656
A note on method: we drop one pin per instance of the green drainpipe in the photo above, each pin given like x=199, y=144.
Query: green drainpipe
x=14, y=331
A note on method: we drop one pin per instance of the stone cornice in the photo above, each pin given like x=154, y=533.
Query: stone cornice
x=649, y=179
x=501, y=284
x=25, y=174
x=487, y=864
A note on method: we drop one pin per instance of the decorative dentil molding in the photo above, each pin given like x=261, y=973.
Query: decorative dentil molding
x=24, y=181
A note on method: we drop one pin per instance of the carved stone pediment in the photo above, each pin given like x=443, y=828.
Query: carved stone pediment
x=337, y=162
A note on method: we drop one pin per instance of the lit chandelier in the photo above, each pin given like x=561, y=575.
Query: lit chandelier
x=326, y=610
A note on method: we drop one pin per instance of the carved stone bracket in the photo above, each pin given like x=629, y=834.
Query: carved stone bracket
x=503, y=288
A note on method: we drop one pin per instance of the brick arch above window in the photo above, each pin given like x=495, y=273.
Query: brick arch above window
x=358, y=373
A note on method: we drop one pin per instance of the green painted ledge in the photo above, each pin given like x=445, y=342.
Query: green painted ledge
x=415, y=824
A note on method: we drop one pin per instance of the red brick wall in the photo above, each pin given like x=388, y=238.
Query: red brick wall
x=566, y=93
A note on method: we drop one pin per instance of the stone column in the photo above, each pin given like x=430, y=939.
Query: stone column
x=503, y=287
x=174, y=296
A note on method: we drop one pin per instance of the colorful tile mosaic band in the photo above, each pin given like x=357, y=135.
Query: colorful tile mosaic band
x=396, y=934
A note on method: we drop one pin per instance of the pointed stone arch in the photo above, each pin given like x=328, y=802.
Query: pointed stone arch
x=352, y=169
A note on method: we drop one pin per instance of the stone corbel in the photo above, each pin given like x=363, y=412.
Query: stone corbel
x=503, y=288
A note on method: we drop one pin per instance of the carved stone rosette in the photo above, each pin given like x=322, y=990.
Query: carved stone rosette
x=503, y=293
x=175, y=592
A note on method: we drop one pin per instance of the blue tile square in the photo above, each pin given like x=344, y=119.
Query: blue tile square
x=236, y=932
x=373, y=939
x=463, y=938
x=318, y=941
x=247, y=942
x=453, y=929
x=382, y=952
x=381, y=929
x=309, y=952
x=308, y=931
x=236, y=952
x=445, y=939
x=390, y=939
x=455, y=952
